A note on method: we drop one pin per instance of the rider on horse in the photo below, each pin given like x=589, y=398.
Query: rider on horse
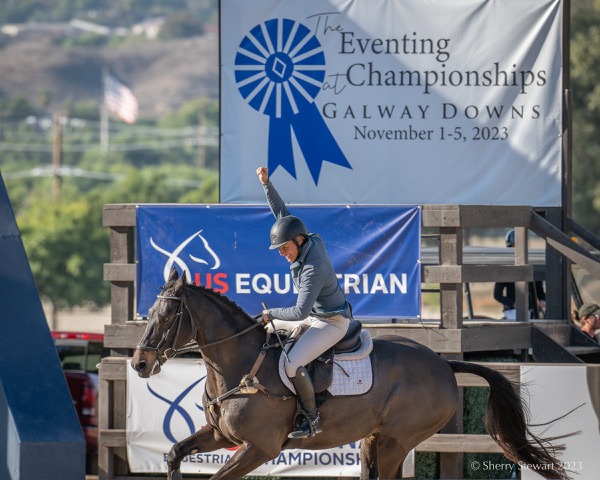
x=321, y=304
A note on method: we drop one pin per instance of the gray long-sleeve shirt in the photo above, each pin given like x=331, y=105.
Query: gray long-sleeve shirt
x=319, y=292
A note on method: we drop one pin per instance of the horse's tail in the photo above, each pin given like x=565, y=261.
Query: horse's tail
x=506, y=422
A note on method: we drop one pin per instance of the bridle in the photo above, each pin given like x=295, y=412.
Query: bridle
x=248, y=384
x=171, y=351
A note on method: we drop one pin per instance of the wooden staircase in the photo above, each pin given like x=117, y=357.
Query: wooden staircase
x=560, y=342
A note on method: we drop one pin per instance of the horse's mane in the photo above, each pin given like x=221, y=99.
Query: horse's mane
x=219, y=298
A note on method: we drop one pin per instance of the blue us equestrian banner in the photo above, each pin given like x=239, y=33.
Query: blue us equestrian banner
x=375, y=251
x=393, y=102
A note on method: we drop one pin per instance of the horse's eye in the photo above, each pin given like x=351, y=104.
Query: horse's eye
x=168, y=312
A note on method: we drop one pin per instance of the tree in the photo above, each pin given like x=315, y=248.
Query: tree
x=585, y=70
x=67, y=249
x=181, y=25
x=16, y=107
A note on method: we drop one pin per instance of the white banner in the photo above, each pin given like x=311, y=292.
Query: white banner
x=167, y=408
x=381, y=101
x=553, y=391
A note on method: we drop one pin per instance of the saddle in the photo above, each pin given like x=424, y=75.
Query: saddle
x=321, y=368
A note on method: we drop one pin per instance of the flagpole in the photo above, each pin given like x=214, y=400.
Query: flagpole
x=104, y=116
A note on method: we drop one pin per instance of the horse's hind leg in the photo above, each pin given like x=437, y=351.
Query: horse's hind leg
x=204, y=440
x=368, y=458
x=390, y=457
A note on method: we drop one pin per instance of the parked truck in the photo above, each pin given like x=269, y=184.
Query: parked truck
x=80, y=353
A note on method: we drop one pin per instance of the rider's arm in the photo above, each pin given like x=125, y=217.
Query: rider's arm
x=311, y=284
x=276, y=204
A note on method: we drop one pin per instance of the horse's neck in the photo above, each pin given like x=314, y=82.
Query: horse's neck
x=228, y=362
x=233, y=353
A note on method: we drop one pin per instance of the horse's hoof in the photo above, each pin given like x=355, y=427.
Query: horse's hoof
x=174, y=475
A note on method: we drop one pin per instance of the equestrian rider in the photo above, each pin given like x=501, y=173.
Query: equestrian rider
x=321, y=304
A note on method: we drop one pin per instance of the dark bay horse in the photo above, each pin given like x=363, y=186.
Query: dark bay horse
x=413, y=396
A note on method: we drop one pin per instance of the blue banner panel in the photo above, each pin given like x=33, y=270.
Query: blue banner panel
x=375, y=251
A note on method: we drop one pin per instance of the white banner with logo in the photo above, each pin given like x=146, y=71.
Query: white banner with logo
x=381, y=101
x=167, y=408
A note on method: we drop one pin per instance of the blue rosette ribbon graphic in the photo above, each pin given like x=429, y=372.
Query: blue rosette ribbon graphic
x=279, y=71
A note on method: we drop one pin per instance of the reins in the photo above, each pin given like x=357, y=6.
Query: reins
x=217, y=342
x=173, y=351
x=249, y=384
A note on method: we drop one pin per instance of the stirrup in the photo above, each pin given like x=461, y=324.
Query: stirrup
x=308, y=428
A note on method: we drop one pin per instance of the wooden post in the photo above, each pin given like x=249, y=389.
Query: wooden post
x=122, y=308
x=451, y=294
x=558, y=268
x=451, y=463
x=521, y=288
x=451, y=304
x=113, y=461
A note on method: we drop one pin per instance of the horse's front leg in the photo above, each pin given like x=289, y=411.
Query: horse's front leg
x=204, y=440
x=243, y=461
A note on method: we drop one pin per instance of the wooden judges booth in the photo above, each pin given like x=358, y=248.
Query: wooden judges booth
x=548, y=340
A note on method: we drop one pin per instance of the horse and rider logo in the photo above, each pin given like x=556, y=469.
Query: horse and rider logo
x=211, y=259
x=174, y=407
x=279, y=71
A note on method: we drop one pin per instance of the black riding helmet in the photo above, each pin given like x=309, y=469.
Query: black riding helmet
x=286, y=229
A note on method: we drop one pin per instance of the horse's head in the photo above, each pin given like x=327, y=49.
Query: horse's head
x=167, y=330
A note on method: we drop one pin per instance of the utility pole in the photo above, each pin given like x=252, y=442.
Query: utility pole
x=56, y=155
x=104, y=131
x=202, y=132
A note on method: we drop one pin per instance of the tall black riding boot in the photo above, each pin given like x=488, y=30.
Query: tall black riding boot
x=306, y=393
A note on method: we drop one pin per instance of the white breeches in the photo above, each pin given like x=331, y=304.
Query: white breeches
x=322, y=334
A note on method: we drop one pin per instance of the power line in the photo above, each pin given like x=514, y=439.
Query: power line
x=113, y=147
x=152, y=138
x=45, y=124
x=66, y=171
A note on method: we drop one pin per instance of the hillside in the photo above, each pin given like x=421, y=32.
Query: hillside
x=163, y=75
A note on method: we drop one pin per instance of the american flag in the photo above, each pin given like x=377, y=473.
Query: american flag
x=119, y=100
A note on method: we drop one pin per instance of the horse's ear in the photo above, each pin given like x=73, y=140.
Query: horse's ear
x=180, y=283
x=173, y=275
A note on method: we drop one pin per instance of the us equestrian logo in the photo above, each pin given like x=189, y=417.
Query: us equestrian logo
x=174, y=256
x=176, y=408
x=263, y=283
x=279, y=70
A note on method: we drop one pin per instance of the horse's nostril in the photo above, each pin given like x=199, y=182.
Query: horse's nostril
x=140, y=366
